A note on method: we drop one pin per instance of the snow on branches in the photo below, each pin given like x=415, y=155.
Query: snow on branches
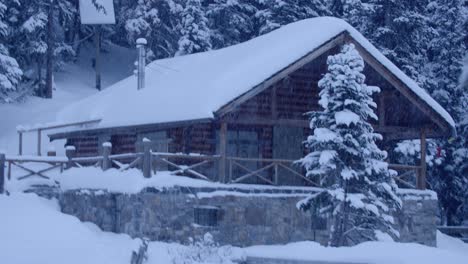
x=359, y=191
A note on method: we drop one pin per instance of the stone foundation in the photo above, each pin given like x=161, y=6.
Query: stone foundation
x=233, y=216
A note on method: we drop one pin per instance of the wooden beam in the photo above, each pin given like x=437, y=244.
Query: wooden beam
x=233, y=104
x=128, y=129
x=269, y=122
x=381, y=110
x=274, y=108
x=222, y=152
x=60, y=125
x=421, y=183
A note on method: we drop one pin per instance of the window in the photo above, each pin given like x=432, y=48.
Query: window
x=206, y=215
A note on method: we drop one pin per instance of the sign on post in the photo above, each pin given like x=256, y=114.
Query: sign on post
x=97, y=12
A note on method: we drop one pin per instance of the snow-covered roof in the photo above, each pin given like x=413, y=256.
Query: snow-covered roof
x=195, y=86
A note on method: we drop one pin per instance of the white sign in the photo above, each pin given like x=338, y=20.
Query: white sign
x=97, y=12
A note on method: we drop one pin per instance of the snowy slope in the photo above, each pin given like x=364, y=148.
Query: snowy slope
x=194, y=86
x=32, y=230
x=74, y=83
x=35, y=232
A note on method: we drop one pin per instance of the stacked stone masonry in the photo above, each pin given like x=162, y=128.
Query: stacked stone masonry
x=242, y=218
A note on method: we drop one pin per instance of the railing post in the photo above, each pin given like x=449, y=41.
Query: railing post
x=276, y=174
x=421, y=179
x=106, y=151
x=2, y=173
x=230, y=170
x=39, y=142
x=70, y=153
x=222, y=152
x=20, y=143
x=146, y=163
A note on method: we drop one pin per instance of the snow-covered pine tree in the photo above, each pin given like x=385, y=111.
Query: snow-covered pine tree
x=446, y=51
x=194, y=29
x=276, y=13
x=231, y=21
x=156, y=20
x=400, y=30
x=10, y=73
x=355, y=12
x=359, y=191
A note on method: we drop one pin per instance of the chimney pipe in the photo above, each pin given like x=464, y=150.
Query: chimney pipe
x=141, y=45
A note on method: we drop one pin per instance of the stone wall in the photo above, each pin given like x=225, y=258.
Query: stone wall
x=242, y=218
x=418, y=220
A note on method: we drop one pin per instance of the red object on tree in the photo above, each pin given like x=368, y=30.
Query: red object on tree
x=439, y=152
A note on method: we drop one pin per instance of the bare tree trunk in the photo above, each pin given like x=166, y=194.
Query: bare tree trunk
x=50, y=50
x=40, y=90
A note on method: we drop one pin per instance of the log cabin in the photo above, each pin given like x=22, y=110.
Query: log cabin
x=249, y=101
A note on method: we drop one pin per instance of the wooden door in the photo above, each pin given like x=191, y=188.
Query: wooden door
x=288, y=144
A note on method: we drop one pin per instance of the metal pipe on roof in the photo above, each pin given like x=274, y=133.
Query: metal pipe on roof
x=141, y=45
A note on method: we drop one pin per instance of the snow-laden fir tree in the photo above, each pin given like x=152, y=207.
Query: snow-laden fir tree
x=448, y=20
x=10, y=73
x=231, y=21
x=273, y=14
x=359, y=191
x=194, y=29
x=156, y=20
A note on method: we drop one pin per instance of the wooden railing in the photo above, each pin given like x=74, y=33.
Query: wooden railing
x=206, y=167
x=409, y=176
x=266, y=170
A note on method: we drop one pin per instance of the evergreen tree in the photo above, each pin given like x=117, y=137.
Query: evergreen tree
x=400, y=30
x=359, y=189
x=276, y=13
x=446, y=50
x=156, y=20
x=10, y=73
x=194, y=29
x=231, y=21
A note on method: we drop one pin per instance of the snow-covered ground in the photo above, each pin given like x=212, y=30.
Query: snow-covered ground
x=33, y=230
x=74, y=82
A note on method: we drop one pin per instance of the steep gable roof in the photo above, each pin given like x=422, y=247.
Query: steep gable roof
x=199, y=85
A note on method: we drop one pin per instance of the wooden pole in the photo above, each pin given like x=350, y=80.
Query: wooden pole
x=50, y=50
x=20, y=143
x=70, y=153
x=146, y=166
x=39, y=142
x=381, y=109
x=422, y=174
x=97, y=61
x=222, y=151
x=2, y=173
x=106, y=151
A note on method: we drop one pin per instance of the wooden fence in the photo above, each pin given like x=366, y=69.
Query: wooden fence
x=238, y=170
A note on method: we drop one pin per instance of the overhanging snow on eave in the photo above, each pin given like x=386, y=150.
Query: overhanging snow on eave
x=140, y=128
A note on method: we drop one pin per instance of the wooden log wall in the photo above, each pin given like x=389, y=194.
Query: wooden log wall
x=85, y=146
